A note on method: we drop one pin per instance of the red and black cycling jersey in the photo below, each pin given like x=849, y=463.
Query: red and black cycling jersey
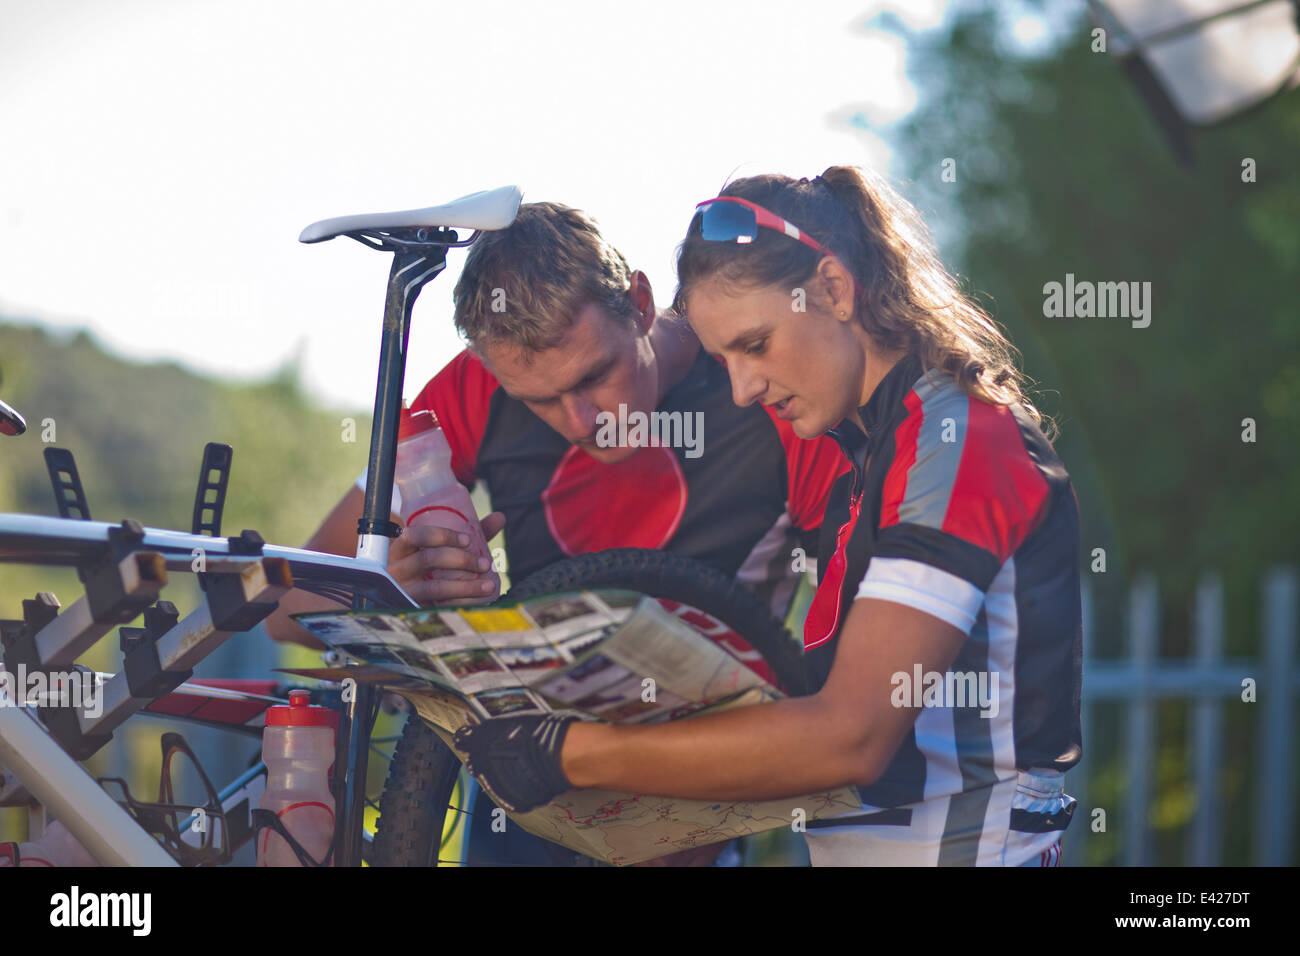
x=960, y=509
x=752, y=495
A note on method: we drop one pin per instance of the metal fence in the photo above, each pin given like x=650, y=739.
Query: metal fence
x=1208, y=682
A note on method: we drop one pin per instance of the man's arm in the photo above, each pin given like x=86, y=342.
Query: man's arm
x=411, y=557
x=336, y=535
x=845, y=734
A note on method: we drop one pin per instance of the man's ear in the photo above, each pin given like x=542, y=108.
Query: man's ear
x=642, y=298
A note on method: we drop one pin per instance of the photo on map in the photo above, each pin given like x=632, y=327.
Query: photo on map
x=461, y=664
x=525, y=660
x=415, y=657
x=428, y=626
x=510, y=700
x=583, y=679
x=557, y=610
x=576, y=645
x=375, y=653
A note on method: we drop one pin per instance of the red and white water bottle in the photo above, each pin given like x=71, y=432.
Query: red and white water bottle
x=298, y=750
x=430, y=493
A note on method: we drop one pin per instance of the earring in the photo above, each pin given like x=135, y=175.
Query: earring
x=842, y=312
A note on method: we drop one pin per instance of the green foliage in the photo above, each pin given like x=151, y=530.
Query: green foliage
x=1061, y=169
x=138, y=432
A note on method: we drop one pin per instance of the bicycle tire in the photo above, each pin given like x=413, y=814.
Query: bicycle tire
x=416, y=795
x=423, y=769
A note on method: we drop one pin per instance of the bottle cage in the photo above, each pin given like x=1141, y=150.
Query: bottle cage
x=167, y=819
x=268, y=820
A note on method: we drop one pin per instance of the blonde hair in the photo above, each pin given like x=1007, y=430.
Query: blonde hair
x=525, y=284
x=906, y=299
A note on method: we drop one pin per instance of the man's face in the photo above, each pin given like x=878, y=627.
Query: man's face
x=598, y=365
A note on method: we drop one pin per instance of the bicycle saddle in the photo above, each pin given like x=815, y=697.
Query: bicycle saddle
x=489, y=209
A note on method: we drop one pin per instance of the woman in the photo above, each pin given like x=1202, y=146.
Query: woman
x=944, y=641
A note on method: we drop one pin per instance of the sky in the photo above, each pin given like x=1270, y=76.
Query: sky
x=158, y=158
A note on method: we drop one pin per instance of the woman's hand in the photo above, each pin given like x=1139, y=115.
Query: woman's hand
x=518, y=758
x=422, y=549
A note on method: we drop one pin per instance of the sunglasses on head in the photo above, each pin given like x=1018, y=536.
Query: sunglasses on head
x=731, y=219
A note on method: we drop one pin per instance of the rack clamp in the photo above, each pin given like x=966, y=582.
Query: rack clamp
x=60, y=720
x=145, y=677
x=64, y=725
x=19, y=637
x=107, y=601
x=248, y=542
x=230, y=608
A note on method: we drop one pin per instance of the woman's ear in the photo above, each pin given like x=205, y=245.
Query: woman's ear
x=837, y=287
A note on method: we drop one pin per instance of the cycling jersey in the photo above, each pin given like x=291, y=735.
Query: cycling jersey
x=742, y=501
x=961, y=509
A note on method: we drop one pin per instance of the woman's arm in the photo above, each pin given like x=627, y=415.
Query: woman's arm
x=847, y=733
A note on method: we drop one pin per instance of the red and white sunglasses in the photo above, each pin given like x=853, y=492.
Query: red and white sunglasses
x=731, y=219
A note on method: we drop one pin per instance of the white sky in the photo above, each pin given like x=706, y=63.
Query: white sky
x=158, y=158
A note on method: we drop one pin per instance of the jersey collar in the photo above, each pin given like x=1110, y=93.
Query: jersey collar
x=881, y=410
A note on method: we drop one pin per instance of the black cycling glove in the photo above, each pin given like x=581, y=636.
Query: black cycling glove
x=518, y=758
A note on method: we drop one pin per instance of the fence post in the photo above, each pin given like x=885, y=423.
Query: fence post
x=1139, y=723
x=1205, y=843
x=1072, y=844
x=1274, y=820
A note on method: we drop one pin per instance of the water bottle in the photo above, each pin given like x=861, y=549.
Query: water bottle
x=298, y=749
x=430, y=493
x=55, y=847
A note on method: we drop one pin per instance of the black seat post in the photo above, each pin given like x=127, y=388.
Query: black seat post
x=410, y=271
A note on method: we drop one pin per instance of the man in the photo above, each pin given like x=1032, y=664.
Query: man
x=565, y=344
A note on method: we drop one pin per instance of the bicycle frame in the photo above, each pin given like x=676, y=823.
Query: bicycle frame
x=53, y=775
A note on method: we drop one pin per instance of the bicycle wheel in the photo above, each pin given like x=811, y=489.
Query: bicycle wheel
x=413, y=806
x=414, y=803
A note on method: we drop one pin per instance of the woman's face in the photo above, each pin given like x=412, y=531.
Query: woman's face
x=808, y=364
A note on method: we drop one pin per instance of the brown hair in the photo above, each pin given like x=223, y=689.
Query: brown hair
x=525, y=284
x=906, y=299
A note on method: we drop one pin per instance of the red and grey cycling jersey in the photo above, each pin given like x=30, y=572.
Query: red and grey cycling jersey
x=750, y=495
x=961, y=509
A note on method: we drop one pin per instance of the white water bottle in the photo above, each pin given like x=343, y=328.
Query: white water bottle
x=431, y=494
x=55, y=847
x=298, y=750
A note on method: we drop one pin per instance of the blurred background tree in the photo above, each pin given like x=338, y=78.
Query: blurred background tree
x=1061, y=169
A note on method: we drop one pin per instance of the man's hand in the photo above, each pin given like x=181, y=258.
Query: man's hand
x=423, y=549
x=518, y=758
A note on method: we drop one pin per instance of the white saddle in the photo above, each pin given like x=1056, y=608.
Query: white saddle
x=489, y=209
